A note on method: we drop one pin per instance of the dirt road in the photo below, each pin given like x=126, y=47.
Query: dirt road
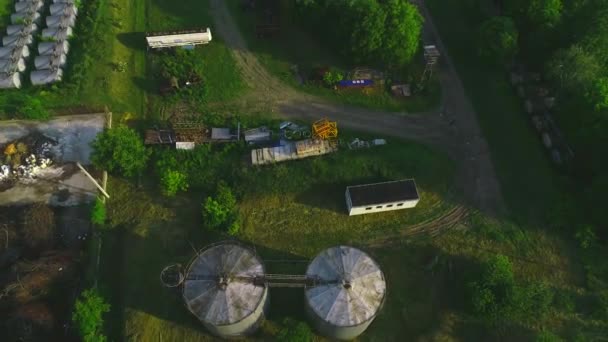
x=453, y=128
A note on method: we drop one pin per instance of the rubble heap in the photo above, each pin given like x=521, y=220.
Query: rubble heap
x=25, y=159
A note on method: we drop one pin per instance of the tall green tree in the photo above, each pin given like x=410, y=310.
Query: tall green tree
x=173, y=181
x=573, y=69
x=120, y=150
x=220, y=211
x=498, y=38
x=545, y=13
x=403, y=28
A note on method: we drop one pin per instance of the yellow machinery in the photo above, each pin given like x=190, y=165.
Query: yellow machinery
x=325, y=129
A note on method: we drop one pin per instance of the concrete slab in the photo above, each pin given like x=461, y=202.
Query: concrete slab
x=62, y=184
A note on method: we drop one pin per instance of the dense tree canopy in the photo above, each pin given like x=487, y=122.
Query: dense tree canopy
x=367, y=31
x=220, y=211
x=498, y=39
x=120, y=150
x=545, y=13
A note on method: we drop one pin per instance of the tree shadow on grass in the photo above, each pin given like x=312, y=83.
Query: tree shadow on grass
x=147, y=84
x=333, y=198
x=133, y=40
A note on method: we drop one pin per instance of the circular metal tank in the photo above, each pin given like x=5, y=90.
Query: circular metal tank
x=223, y=289
x=349, y=291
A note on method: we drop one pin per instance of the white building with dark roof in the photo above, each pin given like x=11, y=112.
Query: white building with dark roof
x=378, y=197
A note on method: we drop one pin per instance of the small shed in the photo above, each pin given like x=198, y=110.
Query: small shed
x=56, y=33
x=220, y=134
x=257, y=135
x=401, y=90
x=41, y=77
x=10, y=80
x=63, y=8
x=185, y=145
x=379, y=197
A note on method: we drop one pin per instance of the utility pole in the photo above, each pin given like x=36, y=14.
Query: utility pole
x=93, y=180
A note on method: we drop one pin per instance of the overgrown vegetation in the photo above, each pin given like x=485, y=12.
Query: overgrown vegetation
x=98, y=212
x=119, y=150
x=499, y=300
x=370, y=31
x=220, y=211
x=294, y=331
x=88, y=315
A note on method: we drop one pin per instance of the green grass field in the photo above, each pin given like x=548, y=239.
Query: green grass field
x=528, y=180
x=293, y=210
x=289, y=212
x=293, y=46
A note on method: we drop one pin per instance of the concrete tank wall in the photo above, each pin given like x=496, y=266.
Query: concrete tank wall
x=246, y=326
x=332, y=331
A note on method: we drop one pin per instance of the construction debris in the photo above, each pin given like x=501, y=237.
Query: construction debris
x=19, y=164
x=357, y=143
x=291, y=151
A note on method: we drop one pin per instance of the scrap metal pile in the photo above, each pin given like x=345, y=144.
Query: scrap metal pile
x=25, y=158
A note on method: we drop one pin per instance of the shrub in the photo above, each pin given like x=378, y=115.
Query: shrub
x=547, y=336
x=294, y=331
x=585, y=236
x=496, y=298
x=173, y=181
x=119, y=150
x=220, y=212
x=88, y=315
x=98, y=213
x=332, y=77
x=498, y=39
x=31, y=108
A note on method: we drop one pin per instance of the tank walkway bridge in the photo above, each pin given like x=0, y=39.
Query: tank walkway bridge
x=271, y=280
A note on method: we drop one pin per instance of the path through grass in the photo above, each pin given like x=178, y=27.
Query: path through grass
x=528, y=181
